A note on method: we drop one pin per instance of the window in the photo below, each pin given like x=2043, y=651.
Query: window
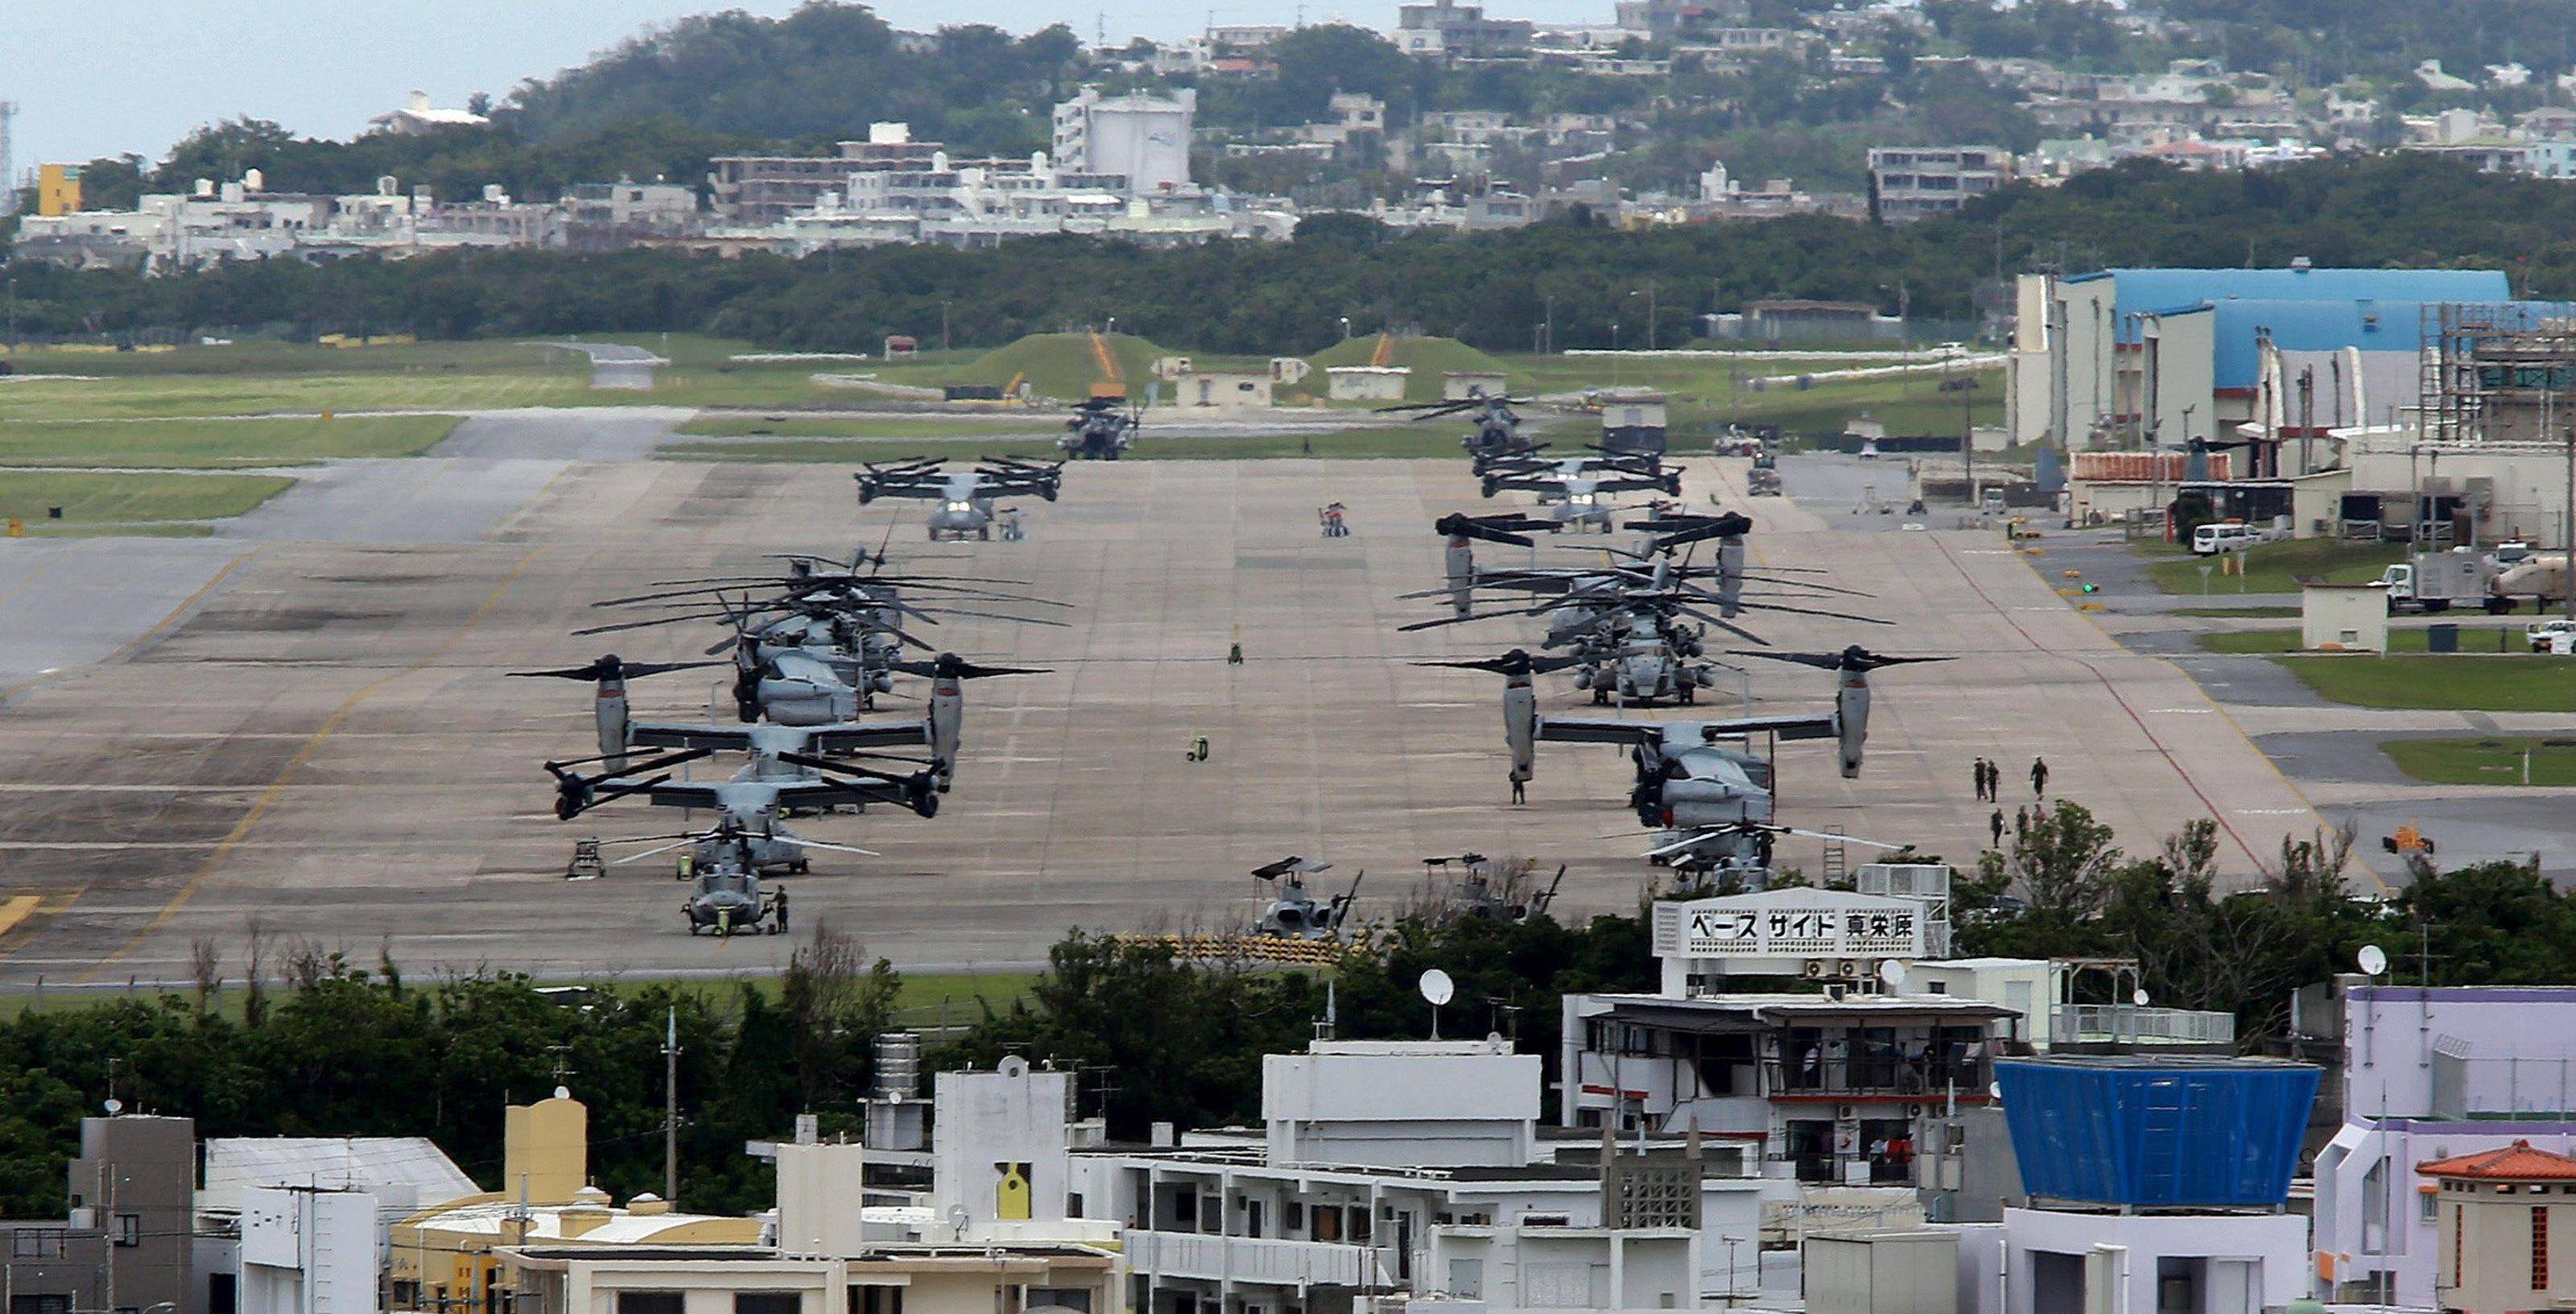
x=129, y=1229
x=876, y=1300
x=767, y=1302
x=1292, y=1216
x=1076, y=1299
x=36, y=1243
x=40, y=1304
x=2430, y=1207
x=650, y=1302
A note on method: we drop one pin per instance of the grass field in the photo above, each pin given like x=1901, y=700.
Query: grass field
x=217, y=444
x=2465, y=683
x=93, y=499
x=258, y=378
x=2474, y=640
x=2484, y=761
x=734, y=424
x=2274, y=567
x=1348, y=444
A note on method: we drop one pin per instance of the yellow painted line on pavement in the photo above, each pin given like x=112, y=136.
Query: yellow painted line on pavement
x=17, y=909
x=276, y=788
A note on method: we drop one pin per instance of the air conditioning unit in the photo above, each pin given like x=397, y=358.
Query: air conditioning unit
x=1845, y=1113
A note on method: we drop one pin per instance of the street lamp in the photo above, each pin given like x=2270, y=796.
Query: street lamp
x=1113, y=327
x=1346, y=327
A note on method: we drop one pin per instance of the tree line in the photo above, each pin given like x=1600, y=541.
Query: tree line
x=1591, y=284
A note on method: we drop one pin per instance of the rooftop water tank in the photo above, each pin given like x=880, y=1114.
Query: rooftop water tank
x=2157, y=1132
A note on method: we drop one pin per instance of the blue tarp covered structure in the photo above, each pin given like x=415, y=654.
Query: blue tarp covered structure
x=2157, y=1133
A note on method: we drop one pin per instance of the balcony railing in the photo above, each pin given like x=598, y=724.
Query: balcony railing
x=2128, y=1024
x=1265, y=1260
x=1878, y=1076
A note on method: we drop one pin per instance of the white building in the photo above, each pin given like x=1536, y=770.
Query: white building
x=1366, y=382
x=418, y=116
x=307, y=1251
x=1144, y=139
x=1415, y=1167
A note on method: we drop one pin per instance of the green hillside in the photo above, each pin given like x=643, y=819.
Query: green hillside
x=1062, y=365
x=1428, y=358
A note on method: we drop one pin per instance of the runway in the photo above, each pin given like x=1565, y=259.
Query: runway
x=321, y=749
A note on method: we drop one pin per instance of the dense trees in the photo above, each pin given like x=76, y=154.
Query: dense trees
x=823, y=72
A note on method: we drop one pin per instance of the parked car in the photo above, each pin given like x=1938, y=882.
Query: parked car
x=2543, y=635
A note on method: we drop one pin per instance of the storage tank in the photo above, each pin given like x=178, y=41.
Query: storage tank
x=2157, y=1132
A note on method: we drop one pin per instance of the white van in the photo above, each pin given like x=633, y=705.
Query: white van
x=2210, y=540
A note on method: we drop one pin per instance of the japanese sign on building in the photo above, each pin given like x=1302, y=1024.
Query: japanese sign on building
x=1791, y=924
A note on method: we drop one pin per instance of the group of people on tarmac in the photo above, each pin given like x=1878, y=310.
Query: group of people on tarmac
x=1331, y=519
x=1990, y=787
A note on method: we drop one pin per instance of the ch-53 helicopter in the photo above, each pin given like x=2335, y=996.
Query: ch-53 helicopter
x=1498, y=426
x=1711, y=803
x=1624, y=621
x=1293, y=913
x=1101, y=429
x=1576, y=491
x=965, y=500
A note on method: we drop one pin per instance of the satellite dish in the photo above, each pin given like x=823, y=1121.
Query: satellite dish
x=563, y=1092
x=114, y=1107
x=1892, y=972
x=2374, y=960
x=2138, y=997
x=1437, y=987
x=1012, y=1065
x=1996, y=1090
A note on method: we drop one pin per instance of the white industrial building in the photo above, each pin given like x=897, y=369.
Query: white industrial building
x=1144, y=139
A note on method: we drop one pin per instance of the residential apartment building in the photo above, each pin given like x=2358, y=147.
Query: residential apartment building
x=1143, y=139
x=752, y=189
x=1908, y=182
x=1447, y=29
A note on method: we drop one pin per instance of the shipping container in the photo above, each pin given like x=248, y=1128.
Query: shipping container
x=2145, y=467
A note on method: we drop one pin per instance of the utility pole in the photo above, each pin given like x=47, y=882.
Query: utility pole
x=943, y=326
x=1650, y=314
x=671, y=1108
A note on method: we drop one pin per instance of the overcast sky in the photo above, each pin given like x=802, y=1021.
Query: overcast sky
x=100, y=77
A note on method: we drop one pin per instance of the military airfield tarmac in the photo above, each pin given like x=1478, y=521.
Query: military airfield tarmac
x=298, y=730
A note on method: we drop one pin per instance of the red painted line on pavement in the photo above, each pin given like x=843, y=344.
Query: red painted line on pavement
x=2111, y=689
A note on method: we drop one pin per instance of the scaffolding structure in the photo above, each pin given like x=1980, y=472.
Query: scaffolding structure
x=2497, y=372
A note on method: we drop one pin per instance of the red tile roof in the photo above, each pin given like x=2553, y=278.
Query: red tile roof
x=2517, y=1162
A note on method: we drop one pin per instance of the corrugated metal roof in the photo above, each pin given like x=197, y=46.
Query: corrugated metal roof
x=2149, y=290
x=2369, y=325
x=357, y=1162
